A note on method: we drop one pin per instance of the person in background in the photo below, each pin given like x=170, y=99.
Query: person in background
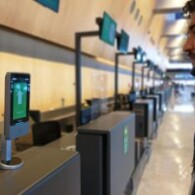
x=189, y=47
x=176, y=89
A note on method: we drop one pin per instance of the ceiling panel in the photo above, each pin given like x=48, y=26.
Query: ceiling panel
x=168, y=6
x=174, y=29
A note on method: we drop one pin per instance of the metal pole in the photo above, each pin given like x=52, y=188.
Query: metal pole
x=78, y=75
x=133, y=77
x=116, y=79
x=142, y=78
x=116, y=74
x=154, y=78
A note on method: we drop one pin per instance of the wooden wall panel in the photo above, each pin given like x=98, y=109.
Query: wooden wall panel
x=52, y=71
x=52, y=81
x=124, y=84
x=74, y=16
x=49, y=81
x=97, y=84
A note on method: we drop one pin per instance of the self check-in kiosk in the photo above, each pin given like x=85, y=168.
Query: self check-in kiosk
x=17, y=93
x=144, y=112
x=161, y=101
x=159, y=90
x=155, y=99
x=154, y=90
x=144, y=117
x=40, y=170
x=131, y=99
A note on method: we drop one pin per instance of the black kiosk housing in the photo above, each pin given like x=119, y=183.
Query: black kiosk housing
x=144, y=117
x=107, y=149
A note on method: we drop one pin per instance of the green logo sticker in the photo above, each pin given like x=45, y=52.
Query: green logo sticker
x=125, y=140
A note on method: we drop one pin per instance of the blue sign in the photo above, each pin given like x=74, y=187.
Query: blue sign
x=179, y=15
x=108, y=29
x=51, y=4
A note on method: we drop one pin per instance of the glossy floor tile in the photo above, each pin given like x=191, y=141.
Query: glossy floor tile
x=168, y=171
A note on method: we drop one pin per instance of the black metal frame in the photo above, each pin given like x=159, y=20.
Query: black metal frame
x=117, y=71
x=78, y=75
x=154, y=77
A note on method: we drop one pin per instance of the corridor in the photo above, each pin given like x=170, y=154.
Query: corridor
x=169, y=168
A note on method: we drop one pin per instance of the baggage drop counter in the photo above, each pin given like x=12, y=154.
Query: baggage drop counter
x=156, y=116
x=107, y=150
x=45, y=171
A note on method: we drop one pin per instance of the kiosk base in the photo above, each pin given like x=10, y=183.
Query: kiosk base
x=14, y=163
x=7, y=161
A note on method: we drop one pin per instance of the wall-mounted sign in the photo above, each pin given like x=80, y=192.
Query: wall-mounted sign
x=51, y=4
x=108, y=29
x=123, y=42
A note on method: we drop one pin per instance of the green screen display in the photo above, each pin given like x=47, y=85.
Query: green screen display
x=19, y=100
x=108, y=29
x=123, y=42
x=51, y=4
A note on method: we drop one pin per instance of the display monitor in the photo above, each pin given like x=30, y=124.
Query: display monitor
x=123, y=42
x=132, y=96
x=138, y=54
x=95, y=104
x=51, y=4
x=85, y=115
x=144, y=57
x=108, y=29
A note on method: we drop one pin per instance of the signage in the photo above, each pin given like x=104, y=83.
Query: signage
x=51, y=4
x=108, y=29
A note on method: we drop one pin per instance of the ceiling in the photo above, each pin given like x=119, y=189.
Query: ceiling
x=174, y=31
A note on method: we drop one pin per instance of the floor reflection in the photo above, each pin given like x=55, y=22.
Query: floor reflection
x=182, y=108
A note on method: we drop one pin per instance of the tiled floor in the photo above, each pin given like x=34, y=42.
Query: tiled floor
x=168, y=171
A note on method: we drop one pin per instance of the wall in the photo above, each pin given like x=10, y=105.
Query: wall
x=52, y=71
x=76, y=16
x=34, y=39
